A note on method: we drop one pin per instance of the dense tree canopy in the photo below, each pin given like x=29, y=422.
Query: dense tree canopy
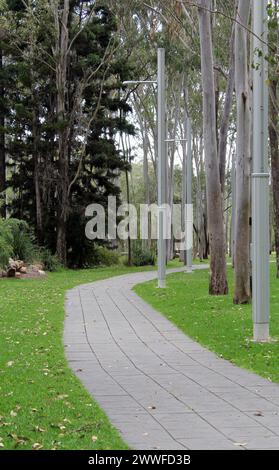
x=69, y=128
x=62, y=108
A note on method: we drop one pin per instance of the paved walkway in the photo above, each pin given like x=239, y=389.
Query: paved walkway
x=159, y=388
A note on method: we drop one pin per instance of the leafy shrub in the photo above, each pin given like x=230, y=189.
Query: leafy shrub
x=48, y=260
x=23, y=242
x=102, y=256
x=84, y=253
x=6, y=240
x=143, y=256
x=18, y=242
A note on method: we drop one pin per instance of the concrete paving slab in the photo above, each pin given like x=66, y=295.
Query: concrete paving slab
x=161, y=389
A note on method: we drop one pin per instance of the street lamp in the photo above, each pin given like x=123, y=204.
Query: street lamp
x=162, y=170
x=260, y=179
x=187, y=215
x=162, y=163
x=189, y=205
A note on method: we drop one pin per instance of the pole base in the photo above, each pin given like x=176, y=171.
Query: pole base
x=161, y=284
x=261, y=333
x=188, y=270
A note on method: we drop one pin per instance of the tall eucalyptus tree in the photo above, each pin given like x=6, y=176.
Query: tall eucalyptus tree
x=242, y=291
x=218, y=277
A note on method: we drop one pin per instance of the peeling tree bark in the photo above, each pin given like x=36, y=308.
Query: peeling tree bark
x=218, y=278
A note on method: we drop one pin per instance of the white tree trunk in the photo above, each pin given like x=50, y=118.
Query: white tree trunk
x=242, y=292
x=218, y=279
x=224, y=127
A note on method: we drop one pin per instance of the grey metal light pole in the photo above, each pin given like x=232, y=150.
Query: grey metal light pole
x=184, y=190
x=189, y=206
x=162, y=163
x=260, y=180
x=184, y=185
x=162, y=171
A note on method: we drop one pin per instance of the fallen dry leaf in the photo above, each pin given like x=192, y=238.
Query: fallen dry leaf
x=38, y=429
x=62, y=397
x=37, y=446
x=18, y=439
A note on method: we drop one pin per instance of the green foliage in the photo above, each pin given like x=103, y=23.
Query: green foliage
x=84, y=253
x=102, y=256
x=6, y=240
x=16, y=241
x=49, y=261
x=23, y=243
x=142, y=256
x=33, y=129
x=16, y=5
x=272, y=56
x=5, y=252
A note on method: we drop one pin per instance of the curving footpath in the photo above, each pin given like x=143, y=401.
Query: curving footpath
x=159, y=388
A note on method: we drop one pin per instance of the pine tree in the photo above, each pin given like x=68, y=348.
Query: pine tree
x=62, y=150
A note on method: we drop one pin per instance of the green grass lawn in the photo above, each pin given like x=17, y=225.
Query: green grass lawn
x=215, y=322
x=176, y=263
x=42, y=404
